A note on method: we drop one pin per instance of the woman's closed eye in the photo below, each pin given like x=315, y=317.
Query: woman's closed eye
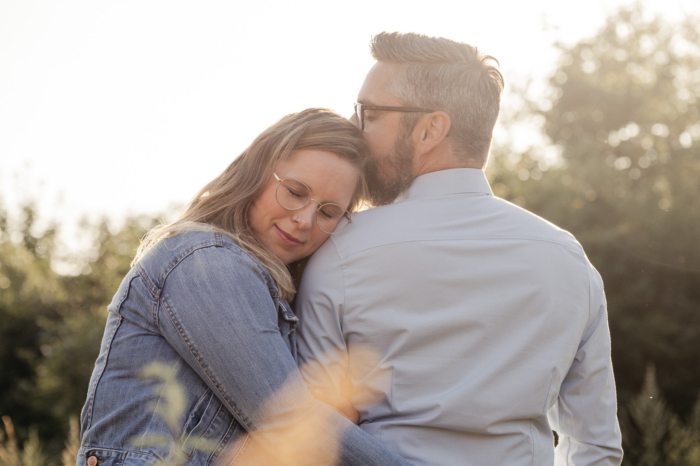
x=331, y=212
x=293, y=193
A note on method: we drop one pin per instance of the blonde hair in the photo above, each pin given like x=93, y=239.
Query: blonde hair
x=442, y=74
x=224, y=203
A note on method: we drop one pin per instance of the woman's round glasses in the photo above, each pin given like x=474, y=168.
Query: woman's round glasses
x=293, y=195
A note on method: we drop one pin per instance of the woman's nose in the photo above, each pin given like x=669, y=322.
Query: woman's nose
x=304, y=217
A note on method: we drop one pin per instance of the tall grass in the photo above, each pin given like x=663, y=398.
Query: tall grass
x=32, y=452
x=652, y=434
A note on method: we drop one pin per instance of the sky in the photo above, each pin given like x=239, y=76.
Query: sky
x=118, y=108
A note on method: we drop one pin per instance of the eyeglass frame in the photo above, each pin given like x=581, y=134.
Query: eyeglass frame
x=279, y=183
x=360, y=111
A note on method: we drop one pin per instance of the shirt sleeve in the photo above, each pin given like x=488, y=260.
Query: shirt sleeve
x=323, y=354
x=585, y=415
x=217, y=312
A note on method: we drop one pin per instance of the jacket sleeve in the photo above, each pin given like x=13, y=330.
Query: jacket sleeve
x=585, y=415
x=217, y=312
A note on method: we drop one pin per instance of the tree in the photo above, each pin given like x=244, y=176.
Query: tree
x=70, y=343
x=652, y=435
x=51, y=325
x=621, y=172
x=28, y=289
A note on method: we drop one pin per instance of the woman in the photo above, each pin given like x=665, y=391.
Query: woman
x=207, y=296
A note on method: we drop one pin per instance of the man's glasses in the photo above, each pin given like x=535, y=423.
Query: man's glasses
x=294, y=195
x=361, y=108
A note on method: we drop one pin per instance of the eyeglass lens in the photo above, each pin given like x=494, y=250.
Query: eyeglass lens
x=293, y=195
x=358, y=116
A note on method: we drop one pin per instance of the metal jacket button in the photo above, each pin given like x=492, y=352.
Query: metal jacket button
x=92, y=461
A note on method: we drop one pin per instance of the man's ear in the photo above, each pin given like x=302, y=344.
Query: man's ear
x=430, y=131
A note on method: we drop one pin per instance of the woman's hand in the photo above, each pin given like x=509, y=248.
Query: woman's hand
x=337, y=402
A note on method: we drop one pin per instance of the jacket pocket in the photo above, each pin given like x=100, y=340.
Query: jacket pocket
x=198, y=423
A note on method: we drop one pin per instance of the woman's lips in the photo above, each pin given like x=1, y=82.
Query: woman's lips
x=287, y=239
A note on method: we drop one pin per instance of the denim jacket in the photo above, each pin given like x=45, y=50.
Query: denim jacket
x=207, y=310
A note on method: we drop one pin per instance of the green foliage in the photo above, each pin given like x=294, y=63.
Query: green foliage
x=51, y=325
x=620, y=172
x=71, y=341
x=655, y=436
x=28, y=289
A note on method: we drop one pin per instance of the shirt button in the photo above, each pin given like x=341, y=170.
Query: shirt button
x=92, y=461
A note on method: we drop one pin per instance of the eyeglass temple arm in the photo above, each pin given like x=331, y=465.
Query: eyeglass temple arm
x=394, y=109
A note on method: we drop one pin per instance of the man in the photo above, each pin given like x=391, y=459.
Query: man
x=462, y=328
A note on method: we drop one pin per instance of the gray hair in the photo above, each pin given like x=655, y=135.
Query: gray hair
x=442, y=74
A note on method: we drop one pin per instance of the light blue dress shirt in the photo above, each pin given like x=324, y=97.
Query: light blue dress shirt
x=463, y=329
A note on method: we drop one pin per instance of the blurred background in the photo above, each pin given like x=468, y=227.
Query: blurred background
x=113, y=114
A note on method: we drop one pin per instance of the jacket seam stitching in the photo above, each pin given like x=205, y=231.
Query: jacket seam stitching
x=223, y=442
x=93, y=389
x=122, y=452
x=240, y=252
x=240, y=454
x=209, y=426
x=147, y=280
x=180, y=330
x=173, y=370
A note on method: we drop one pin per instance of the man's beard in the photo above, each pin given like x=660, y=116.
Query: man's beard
x=388, y=175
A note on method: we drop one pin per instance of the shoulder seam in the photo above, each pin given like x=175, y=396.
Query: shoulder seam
x=235, y=249
x=578, y=249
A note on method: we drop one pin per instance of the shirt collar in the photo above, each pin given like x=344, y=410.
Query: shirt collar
x=443, y=182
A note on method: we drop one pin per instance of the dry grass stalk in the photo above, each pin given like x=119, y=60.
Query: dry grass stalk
x=9, y=455
x=70, y=453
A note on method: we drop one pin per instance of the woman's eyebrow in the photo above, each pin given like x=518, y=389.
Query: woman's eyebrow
x=311, y=190
x=325, y=201
x=295, y=178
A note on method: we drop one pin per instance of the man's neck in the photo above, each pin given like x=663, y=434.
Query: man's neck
x=438, y=162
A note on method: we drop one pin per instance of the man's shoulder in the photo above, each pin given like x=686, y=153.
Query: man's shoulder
x=535, y=227
x=484, y=218
x=369, y=228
